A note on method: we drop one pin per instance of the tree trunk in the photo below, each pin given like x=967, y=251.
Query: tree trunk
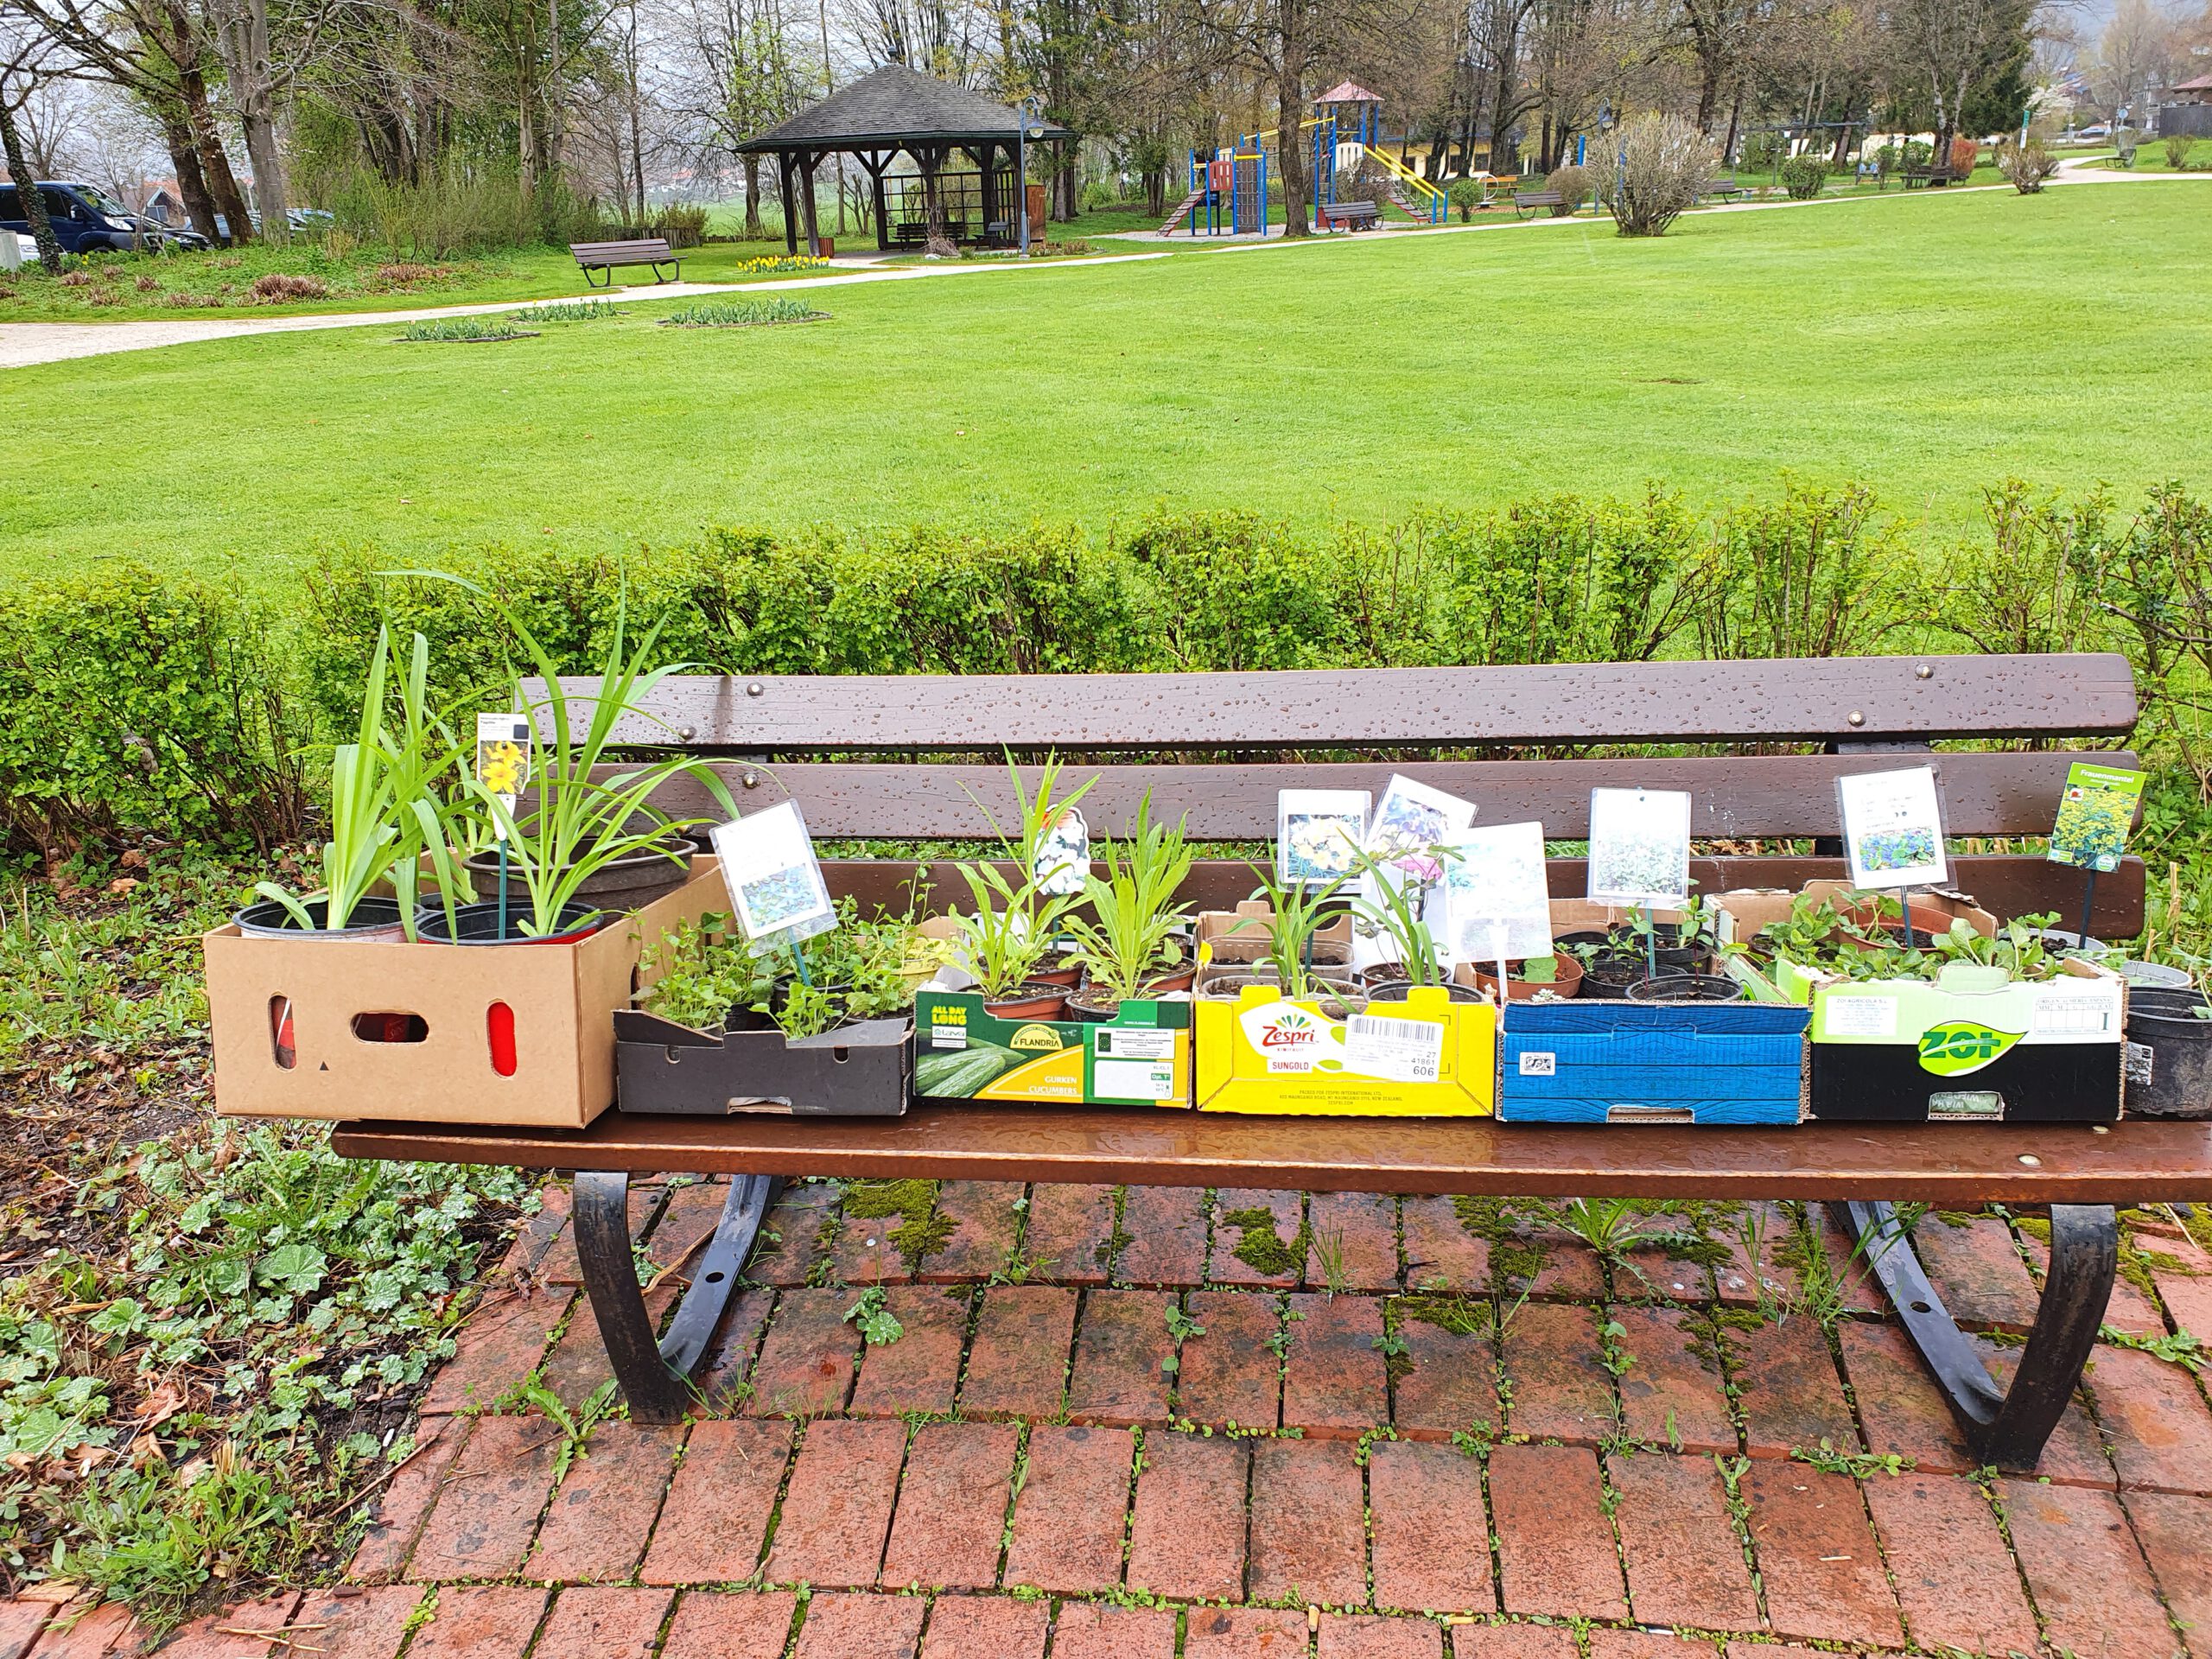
x=191, y=179
x=26, y=181
x=253, y=88
x=214, y=160
x=752, y=197
x=1290, y=142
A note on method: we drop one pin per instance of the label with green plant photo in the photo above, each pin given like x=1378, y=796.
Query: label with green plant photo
x=2094, y=816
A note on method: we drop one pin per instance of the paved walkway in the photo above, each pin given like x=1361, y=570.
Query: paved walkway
x=22, y=344
x=1106, y=1431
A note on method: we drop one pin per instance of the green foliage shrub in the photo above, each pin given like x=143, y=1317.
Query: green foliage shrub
x=135, y=701
x=1803, y=176
x=1464, y=195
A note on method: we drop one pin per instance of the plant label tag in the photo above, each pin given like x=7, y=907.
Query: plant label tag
x=1133, y=1079
x=1403, y=1051
x=1640, y=848
x=2095, y=814
x=1496, y=879
x=1318, y=833
x=1126, y=1043
x=503, y=757
x=1537, y=1064
x=1412, y=817
x=1063, y=856
x=1893, y=829
x=774, y=879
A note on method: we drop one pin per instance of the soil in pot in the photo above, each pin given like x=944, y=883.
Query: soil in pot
x=479, y=923
x=1610, y=974
x=1169, y=984
x=1672, y=959
x=370, y=919
x=1093, y=1005
x=1033, y=1001
x=1566, y=982
x=626, y=883
x=1687, y=988
x=2180, y=1041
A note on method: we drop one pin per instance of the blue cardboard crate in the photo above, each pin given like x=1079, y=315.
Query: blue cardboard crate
x=1597, y=1062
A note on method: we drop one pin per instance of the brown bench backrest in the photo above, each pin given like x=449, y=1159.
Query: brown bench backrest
x=644, y=251
x=910, y=757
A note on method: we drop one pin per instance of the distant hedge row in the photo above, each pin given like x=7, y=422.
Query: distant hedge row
x=134, y=702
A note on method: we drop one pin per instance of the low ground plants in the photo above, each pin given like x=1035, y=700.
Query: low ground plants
x=567, y=311
x=466, y=331
x=742, y=313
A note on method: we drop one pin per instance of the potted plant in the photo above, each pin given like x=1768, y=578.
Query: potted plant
x=386, y=809
x=1404, y=882
x=590, y=845
x=1128, y=942
x=1049, y=852
x=2176, y=1027
x=1294, y=916
x=1557, y=975
x=1002, y=941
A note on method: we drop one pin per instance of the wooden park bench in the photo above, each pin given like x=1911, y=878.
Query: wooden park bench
x=897, y=758
x=1527, y=201
x=1727, y=188
x=1927, y=176
x=610, y=257
x=1350, y=215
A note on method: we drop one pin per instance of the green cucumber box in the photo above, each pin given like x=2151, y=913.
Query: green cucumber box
x=1139, y=1058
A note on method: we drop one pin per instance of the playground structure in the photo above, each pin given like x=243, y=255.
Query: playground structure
x=1229, y=188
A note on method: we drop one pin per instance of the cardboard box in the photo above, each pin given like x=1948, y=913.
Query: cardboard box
x=1141, y=1057
x=431, y=1033
x=1425, y=1057
x=1595, y=1062
x=1241, y=936
x=859, y=1070
x=1973, y=1045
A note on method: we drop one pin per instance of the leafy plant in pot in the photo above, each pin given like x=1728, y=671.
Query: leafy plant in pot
x=1043, y=816
x=1295, y=914
x=386, y=809
x=1002, y=941
x=1127, y=944
x=581, y=828
x=1404, y=883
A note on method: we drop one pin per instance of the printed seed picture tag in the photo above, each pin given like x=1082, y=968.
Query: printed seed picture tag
x=1413, y=817
x=1497, y=879
x=1640, y=848
x=1063, y=856
x=1893, y=829
x=2095, y=814
x=1318, y=833
x=503, y=756
x=775, y=881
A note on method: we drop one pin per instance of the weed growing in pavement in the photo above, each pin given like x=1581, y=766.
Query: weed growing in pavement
x=576, y=1426
x=1859, y=1465
x=878, y=1325
x=2182, y=1348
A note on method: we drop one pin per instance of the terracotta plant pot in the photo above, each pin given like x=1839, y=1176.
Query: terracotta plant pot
x=1169, y=984
x=1032, y=1001
x=1070, y=975
x=371, y=918
x=1568, y=982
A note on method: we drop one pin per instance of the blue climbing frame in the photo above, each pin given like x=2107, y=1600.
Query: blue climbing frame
x=1235, y=179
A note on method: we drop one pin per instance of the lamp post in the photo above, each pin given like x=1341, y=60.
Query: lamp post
x=1031, y=125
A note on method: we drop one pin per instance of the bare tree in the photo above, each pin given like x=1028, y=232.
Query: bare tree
x=1949, y=44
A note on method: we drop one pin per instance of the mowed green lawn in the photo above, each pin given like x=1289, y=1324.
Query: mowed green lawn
x=1928, y=346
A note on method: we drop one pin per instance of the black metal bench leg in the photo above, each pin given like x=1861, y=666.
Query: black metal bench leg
x=656, y=1376
x=2006, y=1427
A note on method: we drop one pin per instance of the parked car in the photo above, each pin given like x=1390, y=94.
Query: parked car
x=87, y=219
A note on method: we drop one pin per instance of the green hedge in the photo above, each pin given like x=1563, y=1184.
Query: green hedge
x=132, y=702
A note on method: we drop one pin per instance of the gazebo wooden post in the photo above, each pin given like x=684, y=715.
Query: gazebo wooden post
x=784, y=190
x=808, y=161
x=980, y=155
x=878, y=163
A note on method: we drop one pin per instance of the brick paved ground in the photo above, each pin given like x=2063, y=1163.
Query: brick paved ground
x=1116, y=1425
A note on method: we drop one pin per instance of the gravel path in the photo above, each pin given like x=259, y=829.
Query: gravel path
x=22, y=344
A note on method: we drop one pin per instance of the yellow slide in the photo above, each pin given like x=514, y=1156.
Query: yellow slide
x=1422, y=196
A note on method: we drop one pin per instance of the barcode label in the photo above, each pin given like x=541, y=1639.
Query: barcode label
x=1403, y=1051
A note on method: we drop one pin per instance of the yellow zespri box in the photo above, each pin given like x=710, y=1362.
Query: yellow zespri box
x=1425, y=1057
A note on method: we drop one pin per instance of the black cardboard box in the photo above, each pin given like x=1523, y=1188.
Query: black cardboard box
x=859, y=1070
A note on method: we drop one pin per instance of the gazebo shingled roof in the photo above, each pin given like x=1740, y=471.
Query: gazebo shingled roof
x=887, y=110
x=888, y=107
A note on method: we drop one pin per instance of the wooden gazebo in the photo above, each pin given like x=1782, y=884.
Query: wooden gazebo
x=893, y=110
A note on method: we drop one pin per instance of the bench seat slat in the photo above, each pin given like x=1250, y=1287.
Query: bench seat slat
x=1962, y=1165
x=1783, y=700
x=1734, y=795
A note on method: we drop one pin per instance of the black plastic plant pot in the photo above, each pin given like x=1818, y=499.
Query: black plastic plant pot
x=1091, y=1009
x=370, y=919
x=1687, y=988
x=2178, y=1079
x=479, y=923
x=1394, y=991
x=630, y=882
x=1611, y=975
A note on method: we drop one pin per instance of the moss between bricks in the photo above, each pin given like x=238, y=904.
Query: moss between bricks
x=1514, y=1257
x=923, y=1229
x=1261, y=1247
x=1463, y=1316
